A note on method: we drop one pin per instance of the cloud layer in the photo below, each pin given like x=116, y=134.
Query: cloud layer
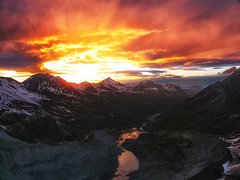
x=145, y=35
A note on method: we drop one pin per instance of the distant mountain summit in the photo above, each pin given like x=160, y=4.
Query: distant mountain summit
x=47, y=108
x=216, y=109
x=108, y=84
x=193, y=90
x=11, y=90
x=147, y=86
x=86, y=87
x=47, y=82
x=141, y=87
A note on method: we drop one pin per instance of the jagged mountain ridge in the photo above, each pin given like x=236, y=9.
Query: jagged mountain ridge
x=108, y=84
x=21, y=114
x=63, y=110
x=147, y=86
x=213, y=110
x=46, y=83
x=86, y=87
x=12, y=90
x=193, y=90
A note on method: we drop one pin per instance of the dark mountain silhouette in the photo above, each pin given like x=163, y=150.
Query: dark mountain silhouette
x=45, y=107
x=193, y=90
x=216, y=109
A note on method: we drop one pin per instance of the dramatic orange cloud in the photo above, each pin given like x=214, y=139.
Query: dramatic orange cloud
x=126, y=39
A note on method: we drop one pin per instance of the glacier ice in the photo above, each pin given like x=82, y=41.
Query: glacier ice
x=95, y=159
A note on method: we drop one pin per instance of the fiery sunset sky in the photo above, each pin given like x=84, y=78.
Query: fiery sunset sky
x=90, y=40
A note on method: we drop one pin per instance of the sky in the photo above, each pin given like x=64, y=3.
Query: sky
x=126, y=40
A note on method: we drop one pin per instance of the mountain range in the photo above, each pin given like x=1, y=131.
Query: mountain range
x=213, y=110
x=192, y=90
x=186, y=141
x=180, y=138
x=47, y=108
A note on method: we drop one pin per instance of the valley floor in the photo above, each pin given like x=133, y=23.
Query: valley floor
x=154, y=156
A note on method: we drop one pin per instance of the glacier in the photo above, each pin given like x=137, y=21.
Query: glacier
x=97, y=158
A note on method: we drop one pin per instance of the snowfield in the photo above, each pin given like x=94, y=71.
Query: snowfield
x=11, y=90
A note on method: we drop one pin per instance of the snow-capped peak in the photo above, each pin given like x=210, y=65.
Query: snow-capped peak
x=109, y=81
x=12, y=90
x=148, y=83
x=108, y=84
x=46, y=82
x=83, y=85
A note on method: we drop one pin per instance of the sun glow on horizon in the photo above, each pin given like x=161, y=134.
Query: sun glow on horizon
x=97, y=59
x=77, y=68
x=95, y=56
x=19, y=76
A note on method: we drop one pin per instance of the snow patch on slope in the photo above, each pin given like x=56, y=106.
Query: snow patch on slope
x=11, y=90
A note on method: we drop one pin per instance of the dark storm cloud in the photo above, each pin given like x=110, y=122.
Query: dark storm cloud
x=15, y=61
x=28, y=18
x=24, y=18
x=188, y=29
x=16, y=55
x=34, y=19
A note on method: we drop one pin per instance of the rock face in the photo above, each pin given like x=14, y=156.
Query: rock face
x=213, y=110
x=233, y=168
x=47, y=108
x=21, y=113
x=193, y=127
x=177, y=155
